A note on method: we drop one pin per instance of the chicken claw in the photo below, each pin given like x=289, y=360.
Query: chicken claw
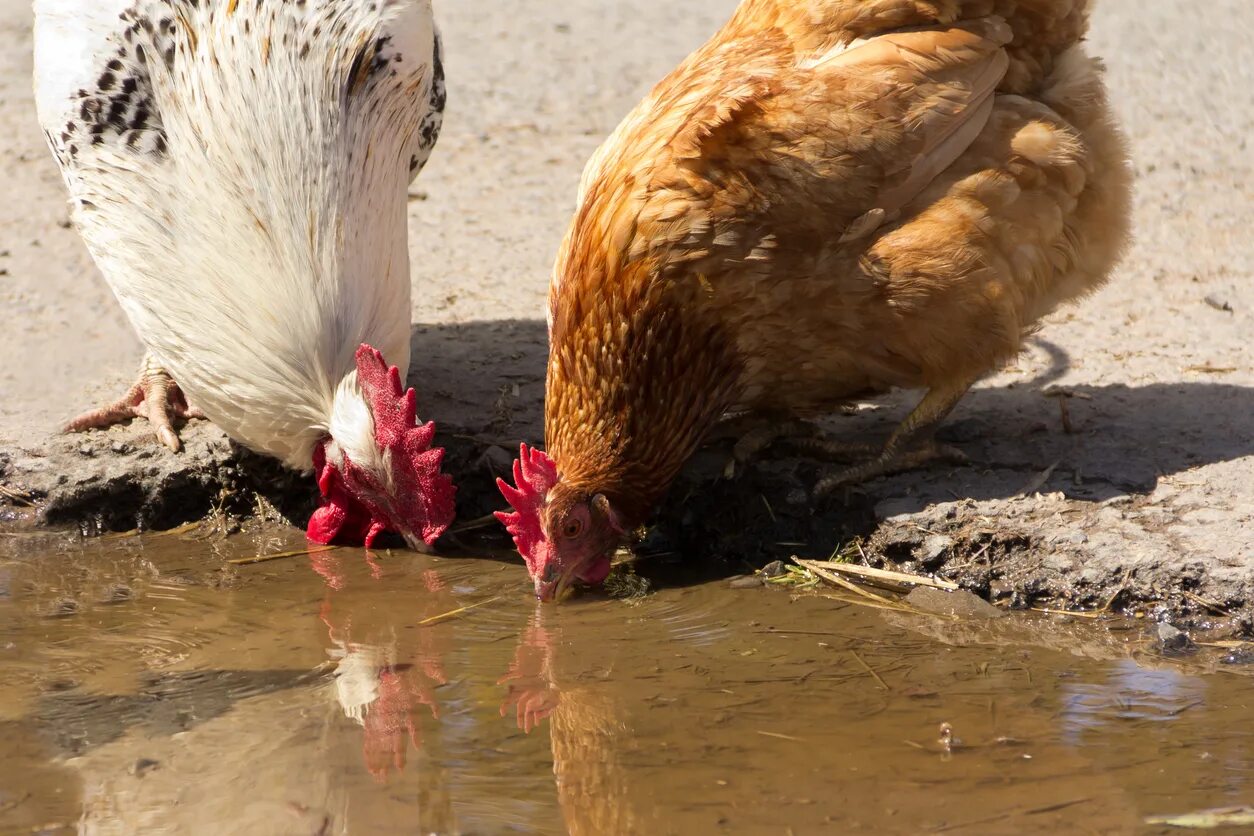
x=911, y=445
x=155, y=397
x=889, y=462
x=760, y=437
x=801, y=436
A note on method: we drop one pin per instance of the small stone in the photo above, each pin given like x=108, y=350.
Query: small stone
x=120, y=447
x=1239, y=656
x=64, y=608
x=960, y=603
x=796, y=497
x=86, y=450
x=144, y=765
x=933, y=549
x=1219, y=303
x=1172, y=639
x=774, y=569
x=746, y=582
x=117, y=594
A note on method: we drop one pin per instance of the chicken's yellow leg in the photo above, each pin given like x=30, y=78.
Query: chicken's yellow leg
x=911, y=444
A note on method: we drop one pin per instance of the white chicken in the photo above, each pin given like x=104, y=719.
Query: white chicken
x=238, y=170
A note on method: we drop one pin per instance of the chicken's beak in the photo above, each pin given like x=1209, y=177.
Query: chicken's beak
x=417, y=543
x=556, y=585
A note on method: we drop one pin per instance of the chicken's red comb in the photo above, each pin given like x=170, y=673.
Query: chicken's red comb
x=415, y=463
x=423, y=496
x=534, y=475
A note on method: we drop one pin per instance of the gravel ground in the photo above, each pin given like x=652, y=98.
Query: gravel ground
x=1143, y=496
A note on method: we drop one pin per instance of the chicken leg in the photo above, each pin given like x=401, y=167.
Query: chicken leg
x=155, y=397
x=800, y=435
x=911, y=445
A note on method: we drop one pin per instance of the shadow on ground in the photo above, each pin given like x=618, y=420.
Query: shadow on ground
x=483, y=383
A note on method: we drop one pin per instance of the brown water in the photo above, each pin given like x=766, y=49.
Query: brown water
x=150, y=686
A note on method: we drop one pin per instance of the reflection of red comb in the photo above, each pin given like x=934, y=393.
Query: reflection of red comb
x=423, y=497
x=534, y=475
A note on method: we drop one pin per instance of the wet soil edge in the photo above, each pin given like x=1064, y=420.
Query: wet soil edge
x=1041, y=550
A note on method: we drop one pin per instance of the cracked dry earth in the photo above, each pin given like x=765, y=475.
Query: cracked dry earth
x=1111, y=467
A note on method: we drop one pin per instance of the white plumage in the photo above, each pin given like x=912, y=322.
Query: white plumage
x=238, y=170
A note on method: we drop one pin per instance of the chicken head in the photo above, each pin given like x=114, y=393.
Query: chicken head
x=563, y=535
x=393, y=482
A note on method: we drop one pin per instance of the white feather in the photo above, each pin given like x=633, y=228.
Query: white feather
x=255, y=231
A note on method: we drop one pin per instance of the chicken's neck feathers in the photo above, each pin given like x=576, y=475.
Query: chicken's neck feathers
x=634, y=385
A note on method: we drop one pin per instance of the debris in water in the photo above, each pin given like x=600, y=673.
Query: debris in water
x=946, y=737
x=624, y=583
x=1208, y=819
x=445, y=616
x=882, y=578
x=263, y=558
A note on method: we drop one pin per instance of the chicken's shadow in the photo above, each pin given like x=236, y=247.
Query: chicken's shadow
x=484, y=382
x=1122, y=440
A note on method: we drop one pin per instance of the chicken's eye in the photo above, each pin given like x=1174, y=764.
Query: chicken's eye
x=573, y=528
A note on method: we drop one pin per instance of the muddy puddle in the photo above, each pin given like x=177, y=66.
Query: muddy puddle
x=150, y=685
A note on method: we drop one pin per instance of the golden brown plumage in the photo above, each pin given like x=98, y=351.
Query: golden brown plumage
x=830, y=198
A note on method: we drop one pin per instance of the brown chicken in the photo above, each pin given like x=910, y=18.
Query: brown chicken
x=831, y=198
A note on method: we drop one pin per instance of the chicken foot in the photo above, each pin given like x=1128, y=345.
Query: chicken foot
x=911, y=445
x=802, y=436
x=155, y=397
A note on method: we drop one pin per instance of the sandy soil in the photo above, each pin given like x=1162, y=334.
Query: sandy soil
x=1150, y=492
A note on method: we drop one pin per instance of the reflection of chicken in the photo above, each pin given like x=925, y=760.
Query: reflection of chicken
x=586, y=731
x=828, y=199
x=239, y=173
x=379, y=684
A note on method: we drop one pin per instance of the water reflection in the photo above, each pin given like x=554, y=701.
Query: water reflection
x=1129, y=692
x=348, y=692
x=532, y=694
x=381, y=683
x=391, y=662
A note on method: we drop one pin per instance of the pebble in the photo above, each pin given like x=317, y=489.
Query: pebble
x=934, y=548
x=961, y=603
x=1239, y=656
x=1172, y=639
x=86, y=450
x=774, y=569
x=143, y=765
x=1219, y=303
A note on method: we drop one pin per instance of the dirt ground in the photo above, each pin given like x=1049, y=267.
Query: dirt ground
x=1112, y=466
